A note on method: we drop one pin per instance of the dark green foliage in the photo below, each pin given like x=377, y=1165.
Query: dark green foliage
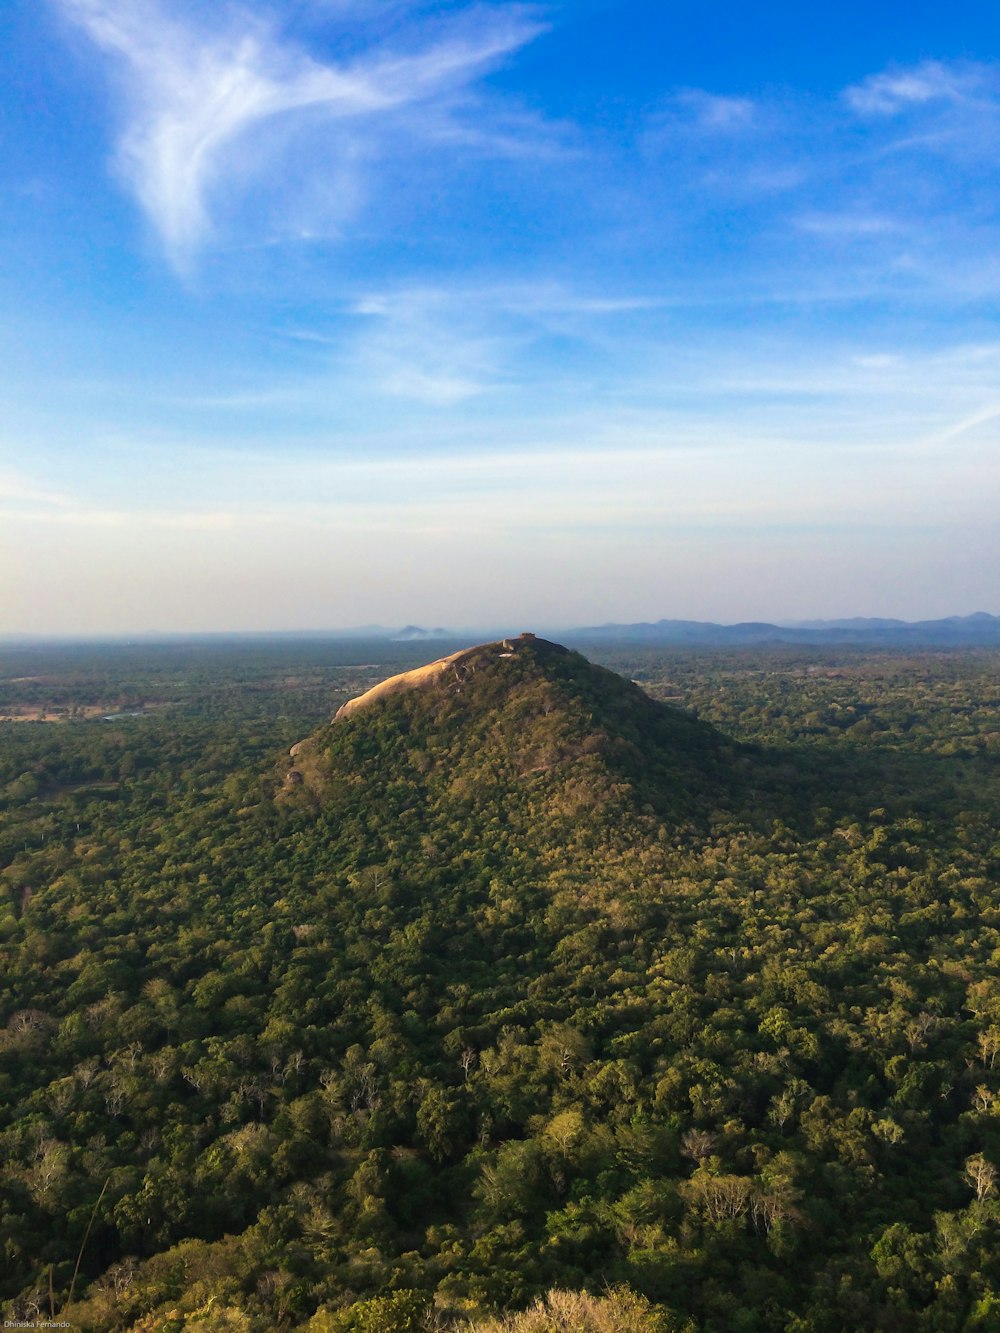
x=531, y=983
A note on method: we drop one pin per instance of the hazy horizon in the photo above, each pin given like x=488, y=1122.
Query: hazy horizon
x=462, y=314
x=430, y=633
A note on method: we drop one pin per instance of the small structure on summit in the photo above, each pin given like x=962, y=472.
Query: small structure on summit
x=461, y=665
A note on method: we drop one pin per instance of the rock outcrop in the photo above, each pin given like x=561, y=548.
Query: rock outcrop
x=460, y=666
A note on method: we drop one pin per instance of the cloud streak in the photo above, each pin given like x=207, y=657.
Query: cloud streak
x=195, y=95
x=709, y=111
x=17, y=490
x=896, y=91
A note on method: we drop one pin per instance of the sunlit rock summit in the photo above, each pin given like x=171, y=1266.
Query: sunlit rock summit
x=451, y=672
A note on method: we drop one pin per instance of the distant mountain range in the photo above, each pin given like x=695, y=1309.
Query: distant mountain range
x=980, y=629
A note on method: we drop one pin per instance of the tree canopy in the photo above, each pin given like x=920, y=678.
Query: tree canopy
x=531, y=991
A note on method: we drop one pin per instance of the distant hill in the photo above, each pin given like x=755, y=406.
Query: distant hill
x=852, y=622
x=521, y=730
x=416, y=633
x=980, y=630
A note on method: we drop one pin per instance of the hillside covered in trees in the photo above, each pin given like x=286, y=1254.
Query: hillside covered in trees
x=675, y=1007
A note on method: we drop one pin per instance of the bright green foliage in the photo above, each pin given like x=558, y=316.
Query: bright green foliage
x=401, y=1312
x=620, y=1311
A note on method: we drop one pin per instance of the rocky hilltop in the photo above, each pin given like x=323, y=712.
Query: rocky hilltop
x=522, y=730
x=451, y=671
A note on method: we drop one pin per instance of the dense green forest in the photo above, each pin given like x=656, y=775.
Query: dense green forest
x=667, y=1009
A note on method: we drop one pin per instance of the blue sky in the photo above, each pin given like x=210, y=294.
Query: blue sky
x=340, y=311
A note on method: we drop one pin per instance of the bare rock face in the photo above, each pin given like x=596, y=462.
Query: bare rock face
x=459, y=666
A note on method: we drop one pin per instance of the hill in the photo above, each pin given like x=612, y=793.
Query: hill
x=521, y=735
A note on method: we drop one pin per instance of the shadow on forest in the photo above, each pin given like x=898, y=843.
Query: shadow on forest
x=802, y=783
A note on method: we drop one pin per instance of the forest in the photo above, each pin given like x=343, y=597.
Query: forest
x=652, y=990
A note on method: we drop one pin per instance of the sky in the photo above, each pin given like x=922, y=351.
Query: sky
x=316, y=313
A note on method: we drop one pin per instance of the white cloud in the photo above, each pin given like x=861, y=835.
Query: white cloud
x=709, y=477
x=968, y=424
x=443, y=345
x=892, y=92
x=24, y=493
x=710, y=111
x=194, y=94
x=847, y=226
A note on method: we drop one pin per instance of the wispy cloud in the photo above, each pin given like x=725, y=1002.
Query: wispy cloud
x=18, y=490
x=883, y=190
x=195, y=94
x=443, y=345
x=644, y=467
x=947, y=109
x=987, y=416
x=847, y=226
x=895, y=91
x=710, y=111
